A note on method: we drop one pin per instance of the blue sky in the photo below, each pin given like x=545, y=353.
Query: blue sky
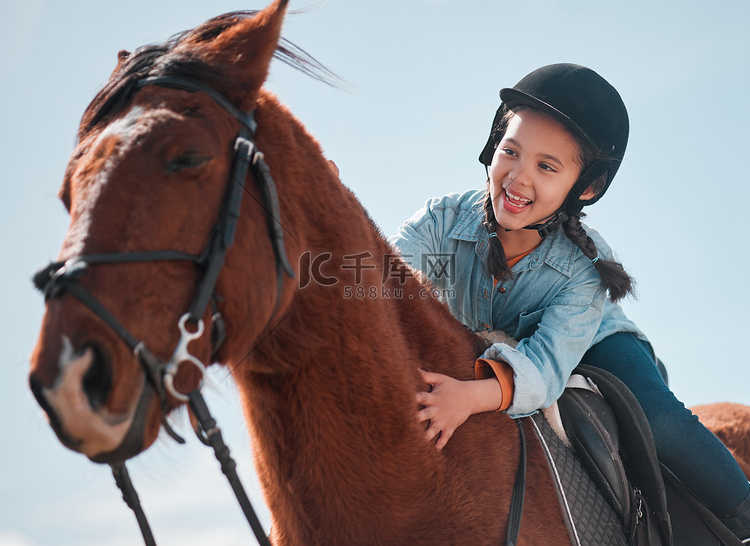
x=422, y=81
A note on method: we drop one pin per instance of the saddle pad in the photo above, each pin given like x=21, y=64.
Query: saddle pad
x=590, y=519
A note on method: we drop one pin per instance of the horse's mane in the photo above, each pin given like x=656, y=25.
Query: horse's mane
x=159, y=60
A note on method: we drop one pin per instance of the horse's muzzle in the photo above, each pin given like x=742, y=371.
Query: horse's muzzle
x=76, y=408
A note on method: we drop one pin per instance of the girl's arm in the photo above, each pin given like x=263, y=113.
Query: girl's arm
x=539, y=366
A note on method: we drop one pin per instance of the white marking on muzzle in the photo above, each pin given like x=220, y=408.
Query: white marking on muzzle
x=99, y=432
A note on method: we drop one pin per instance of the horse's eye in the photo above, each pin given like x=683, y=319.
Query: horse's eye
x=189, y=160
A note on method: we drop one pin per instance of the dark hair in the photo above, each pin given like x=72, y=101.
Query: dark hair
x=618, y=282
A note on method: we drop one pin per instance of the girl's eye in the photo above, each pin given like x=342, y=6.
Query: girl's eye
x=508, y=151
x=189, y=160
x=546, y=167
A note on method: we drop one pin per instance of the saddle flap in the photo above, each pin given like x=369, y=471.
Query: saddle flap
x=638, y=450
x=592, y=429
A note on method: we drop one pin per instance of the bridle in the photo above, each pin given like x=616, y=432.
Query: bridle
x=60, y=278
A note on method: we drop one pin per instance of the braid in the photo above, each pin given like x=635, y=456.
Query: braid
x=497, y=263
x=613, y=274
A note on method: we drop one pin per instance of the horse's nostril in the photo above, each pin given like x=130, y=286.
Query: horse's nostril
x=97, y=381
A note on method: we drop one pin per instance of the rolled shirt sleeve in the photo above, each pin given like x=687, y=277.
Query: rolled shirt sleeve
x=543, y=362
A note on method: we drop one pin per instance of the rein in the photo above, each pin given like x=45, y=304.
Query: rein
x=60, y=278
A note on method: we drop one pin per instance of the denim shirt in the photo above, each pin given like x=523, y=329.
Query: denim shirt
x=555, y=304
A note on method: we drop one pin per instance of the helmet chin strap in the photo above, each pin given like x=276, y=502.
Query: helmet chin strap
x=546, y=228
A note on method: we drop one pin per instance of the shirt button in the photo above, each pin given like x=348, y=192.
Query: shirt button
x=502, y=290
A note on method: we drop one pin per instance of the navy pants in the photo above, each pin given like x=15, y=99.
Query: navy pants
x=691, y=451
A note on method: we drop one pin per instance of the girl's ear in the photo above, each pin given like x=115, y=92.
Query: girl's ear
x=589, y=193
x=595, y=188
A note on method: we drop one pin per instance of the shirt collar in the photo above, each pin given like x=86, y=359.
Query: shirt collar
x=556, y=250
x=469, y=225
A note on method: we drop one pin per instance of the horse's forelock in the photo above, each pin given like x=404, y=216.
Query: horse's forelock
x=156, y=60
x=162, y=60
x=151, y=60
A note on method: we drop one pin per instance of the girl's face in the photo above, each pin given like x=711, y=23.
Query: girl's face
x=534, y=168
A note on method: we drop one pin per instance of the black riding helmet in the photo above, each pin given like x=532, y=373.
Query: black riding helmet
x=588, y=106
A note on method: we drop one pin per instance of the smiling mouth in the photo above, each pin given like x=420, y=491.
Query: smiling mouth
x=516, y=201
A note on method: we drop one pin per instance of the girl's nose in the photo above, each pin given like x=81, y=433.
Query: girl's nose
x=519, y=175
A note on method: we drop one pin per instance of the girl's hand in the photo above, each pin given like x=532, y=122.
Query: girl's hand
x=451, y=402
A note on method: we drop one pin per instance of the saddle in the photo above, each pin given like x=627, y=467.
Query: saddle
x=610, y=484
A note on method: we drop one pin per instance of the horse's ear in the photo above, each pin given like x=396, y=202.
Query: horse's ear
x=122, y=56
x=241, y=47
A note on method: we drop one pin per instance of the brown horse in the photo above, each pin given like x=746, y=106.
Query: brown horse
x=326, y=363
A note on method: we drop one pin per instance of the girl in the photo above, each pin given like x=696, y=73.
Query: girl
x=515, y=257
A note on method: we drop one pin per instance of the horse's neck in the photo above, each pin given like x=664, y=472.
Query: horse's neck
x=376, y=309
x=397, y=320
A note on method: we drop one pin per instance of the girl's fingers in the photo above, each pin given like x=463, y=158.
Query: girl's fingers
x=429, y=377
x=445, y=435
x=426, y=414
x=429, y=412
x=431, y=432
x=442, y=436
x=423, y=398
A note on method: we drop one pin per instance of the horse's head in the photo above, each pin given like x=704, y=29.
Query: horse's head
x=148, y=191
